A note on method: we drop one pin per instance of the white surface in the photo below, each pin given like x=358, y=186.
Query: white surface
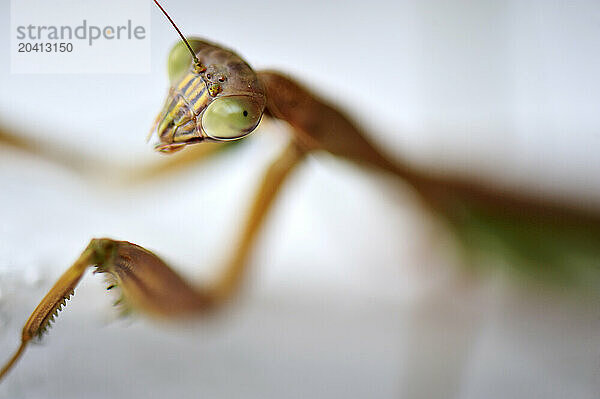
x=352, y=292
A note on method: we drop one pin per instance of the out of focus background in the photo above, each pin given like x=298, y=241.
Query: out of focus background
x=354, y=291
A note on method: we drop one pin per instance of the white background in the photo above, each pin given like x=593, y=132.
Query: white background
x=354, y=292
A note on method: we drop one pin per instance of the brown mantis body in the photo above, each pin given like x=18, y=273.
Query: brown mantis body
x=149, y=285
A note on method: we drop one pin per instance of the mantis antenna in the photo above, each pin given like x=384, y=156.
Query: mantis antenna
x=197, y=63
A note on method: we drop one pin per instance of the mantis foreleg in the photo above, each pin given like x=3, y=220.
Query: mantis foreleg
x=268, y=190
x=123, y=175
x=147, y=284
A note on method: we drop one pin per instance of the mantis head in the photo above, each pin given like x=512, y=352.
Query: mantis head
x=214, y=96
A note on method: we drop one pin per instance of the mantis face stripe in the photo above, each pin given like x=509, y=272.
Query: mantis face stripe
x=180, y=122
x=217, y=98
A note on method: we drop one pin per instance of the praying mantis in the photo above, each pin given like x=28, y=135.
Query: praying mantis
x=315, y=126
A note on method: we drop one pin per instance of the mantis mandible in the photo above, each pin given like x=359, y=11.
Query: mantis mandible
x=216, y=96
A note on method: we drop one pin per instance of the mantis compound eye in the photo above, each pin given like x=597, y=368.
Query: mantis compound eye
x=231, y=117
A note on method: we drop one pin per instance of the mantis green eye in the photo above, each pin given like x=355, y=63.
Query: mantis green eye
x=180, y=61
x=230, y=118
